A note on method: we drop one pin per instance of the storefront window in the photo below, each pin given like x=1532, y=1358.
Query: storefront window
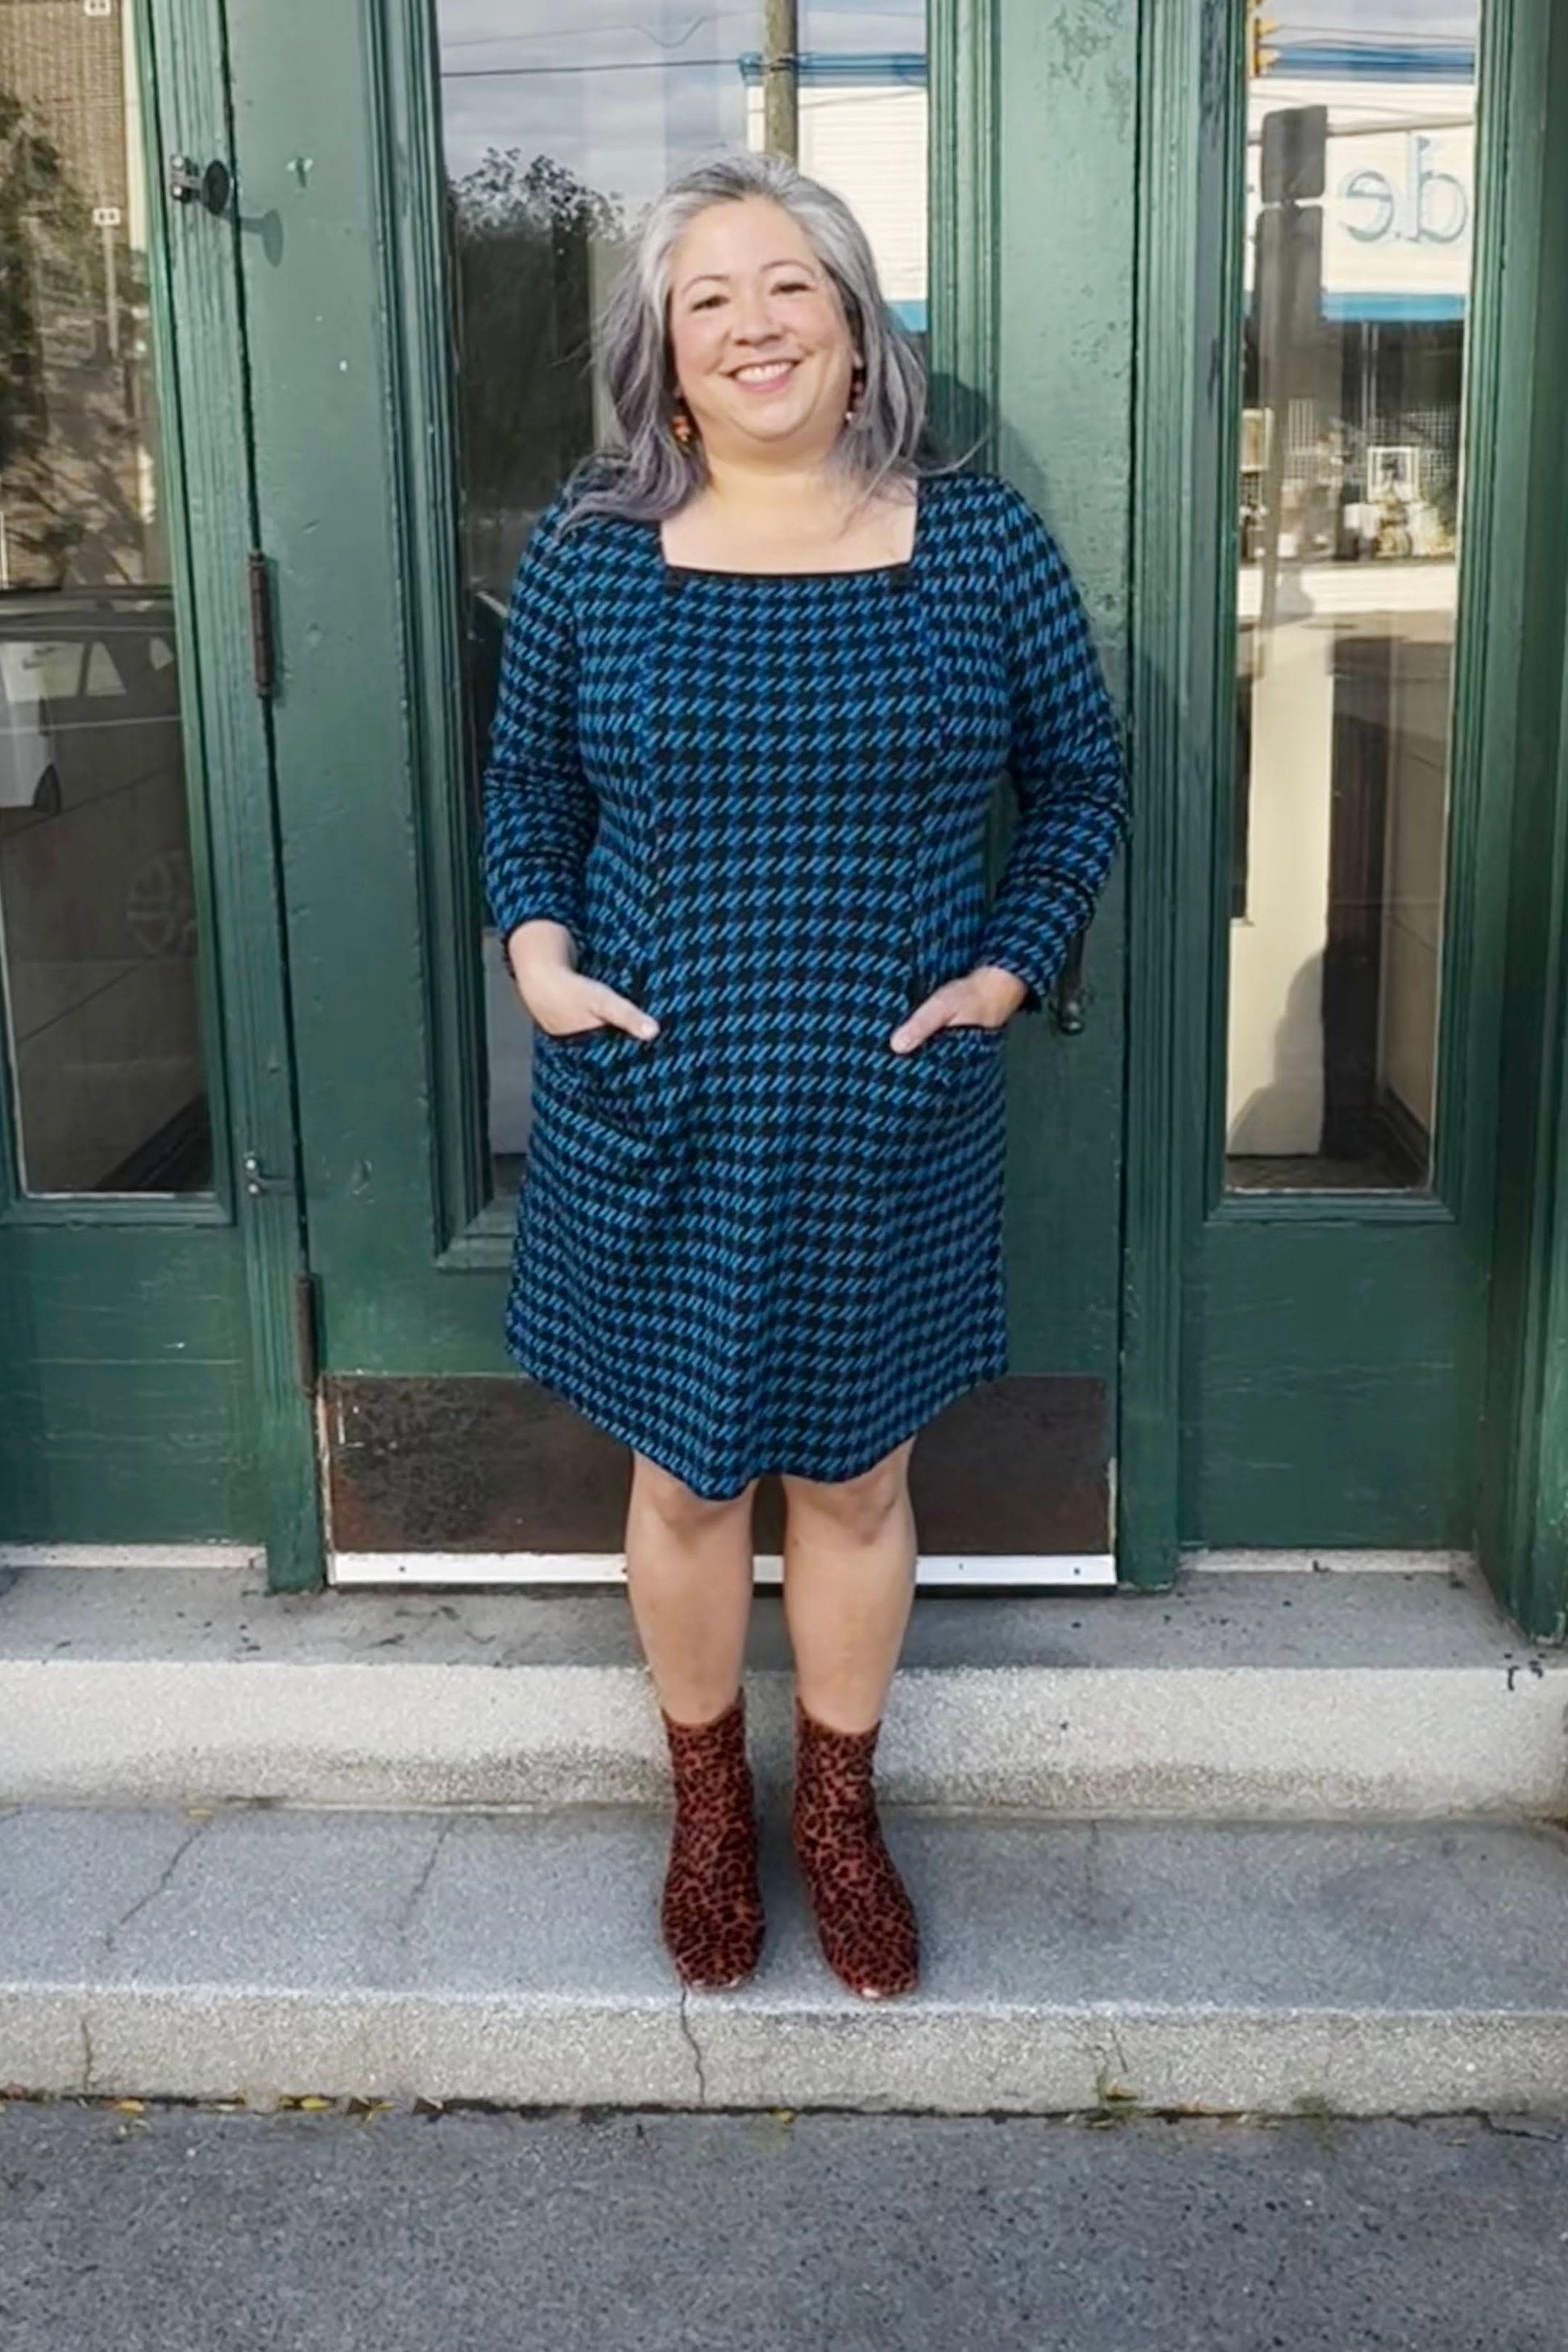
x=1360, y=204
x=559, y=125
x=98, y=927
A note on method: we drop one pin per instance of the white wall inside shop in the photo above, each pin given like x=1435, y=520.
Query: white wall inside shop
x=1275, y=1061
x=1275, y=1091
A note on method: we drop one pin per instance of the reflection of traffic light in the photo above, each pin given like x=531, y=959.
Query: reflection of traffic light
x=1261, y=55
x=1294, y=158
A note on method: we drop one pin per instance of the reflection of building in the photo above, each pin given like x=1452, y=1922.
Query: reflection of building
x=65, y=67
x=97, y=947
x=77, y=369
x=1350, y=465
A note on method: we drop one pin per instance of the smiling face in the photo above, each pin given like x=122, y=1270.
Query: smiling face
x=761, y=349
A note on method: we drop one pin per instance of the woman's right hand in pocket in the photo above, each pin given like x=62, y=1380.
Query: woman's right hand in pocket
x=558, y=998
x=581, y=1003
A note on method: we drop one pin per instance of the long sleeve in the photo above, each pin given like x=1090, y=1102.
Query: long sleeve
x=1065, y=764
x=540, y=811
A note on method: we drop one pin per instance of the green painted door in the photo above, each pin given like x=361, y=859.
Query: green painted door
x=149, y=1231
x=439, y=202
x=1348, y=613
x=1344, y=1254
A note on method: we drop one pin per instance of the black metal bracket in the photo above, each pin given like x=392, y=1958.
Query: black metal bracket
x=1069, y=998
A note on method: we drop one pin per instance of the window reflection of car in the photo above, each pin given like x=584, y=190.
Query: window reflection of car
x=73, y=663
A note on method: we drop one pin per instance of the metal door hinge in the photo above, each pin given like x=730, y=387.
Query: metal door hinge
x=257, y=1182
x=262, y=664
x=307, y=1348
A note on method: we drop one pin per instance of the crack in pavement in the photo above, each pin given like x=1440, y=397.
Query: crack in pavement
x=164, y=1875
x=405, y=1918
x=695, y=2047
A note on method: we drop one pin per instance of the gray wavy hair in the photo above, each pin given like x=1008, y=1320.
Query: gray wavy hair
x=650, y=474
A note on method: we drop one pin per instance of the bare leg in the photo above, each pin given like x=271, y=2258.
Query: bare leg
x=688, y=1577
x=848, y=1570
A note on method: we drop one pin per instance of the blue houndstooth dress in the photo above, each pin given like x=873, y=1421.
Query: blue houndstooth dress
x=764, y=1240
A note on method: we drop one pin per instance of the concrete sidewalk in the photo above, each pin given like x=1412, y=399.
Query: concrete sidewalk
x=187, y=2231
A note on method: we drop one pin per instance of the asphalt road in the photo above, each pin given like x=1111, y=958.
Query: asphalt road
x=182, y=2229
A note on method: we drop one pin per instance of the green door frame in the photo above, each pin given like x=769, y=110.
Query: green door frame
x=1524, y=1484
x=1196, y=1412
x=228, y=574
x=151, y=1385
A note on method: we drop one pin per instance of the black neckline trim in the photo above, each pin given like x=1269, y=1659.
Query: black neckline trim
x=856, y=571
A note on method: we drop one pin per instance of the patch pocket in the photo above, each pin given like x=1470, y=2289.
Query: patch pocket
x=603, y=1147
x=647, y=1089
x=595, y=1068
x=956, y=1076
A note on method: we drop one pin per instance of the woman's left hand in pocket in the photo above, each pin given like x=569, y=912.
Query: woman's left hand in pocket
x=985, y=998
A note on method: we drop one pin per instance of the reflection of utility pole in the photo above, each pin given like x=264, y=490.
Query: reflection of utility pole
x=111, y=291
x=1288, y=294
x=781, y=78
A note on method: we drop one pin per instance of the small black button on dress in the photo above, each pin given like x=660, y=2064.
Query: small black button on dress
x=764, y=1240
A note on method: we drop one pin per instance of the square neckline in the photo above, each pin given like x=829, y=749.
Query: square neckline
x=894, y=572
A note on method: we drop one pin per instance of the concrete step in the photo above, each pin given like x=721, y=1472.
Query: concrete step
x=512, y=1957
x=1269, y=1695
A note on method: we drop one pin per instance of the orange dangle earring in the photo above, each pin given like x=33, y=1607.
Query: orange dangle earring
x=683, y=427
x=857, y=392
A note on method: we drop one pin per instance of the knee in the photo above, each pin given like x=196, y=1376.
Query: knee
x=676, y=1504
x=858, y=1510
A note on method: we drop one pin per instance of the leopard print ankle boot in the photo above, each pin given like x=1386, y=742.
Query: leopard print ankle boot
x=864, y=1920
x=711, y=1907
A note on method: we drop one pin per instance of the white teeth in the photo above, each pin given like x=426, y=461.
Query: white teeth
x=764, y=372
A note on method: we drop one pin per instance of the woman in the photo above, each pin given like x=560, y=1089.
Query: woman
x=761, y=670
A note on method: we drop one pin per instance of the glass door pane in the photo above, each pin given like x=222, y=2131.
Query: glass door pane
x=559, y=124
x=98, y=926
x=1358, y=204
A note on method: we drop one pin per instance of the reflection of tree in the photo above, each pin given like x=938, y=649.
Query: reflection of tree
x=73, y=311
x=503, y=194
x=526, y=240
